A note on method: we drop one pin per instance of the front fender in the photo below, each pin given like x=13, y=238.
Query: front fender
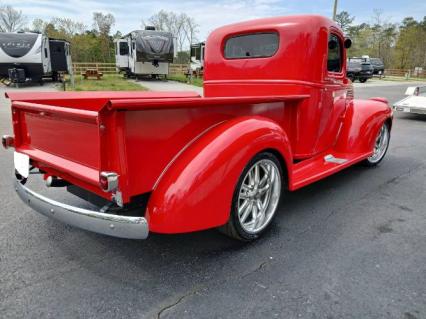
x=195, y=192
x=363, y=120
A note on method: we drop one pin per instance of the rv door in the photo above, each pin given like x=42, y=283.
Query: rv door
x=122, y=54
x=45, y=56
x=68, y=56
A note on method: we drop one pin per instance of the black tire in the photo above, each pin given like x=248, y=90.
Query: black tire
x=363, y=80
x=234, y=228
x=372, y=163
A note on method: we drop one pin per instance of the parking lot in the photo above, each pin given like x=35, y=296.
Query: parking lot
x=350, y=246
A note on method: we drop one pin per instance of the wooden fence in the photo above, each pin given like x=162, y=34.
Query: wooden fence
x=109, y=68
x=106, y=68
x=406, y=73
x=178, y=68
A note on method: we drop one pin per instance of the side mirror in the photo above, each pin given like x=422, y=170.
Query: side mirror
x=332, y=44
x=347, y=43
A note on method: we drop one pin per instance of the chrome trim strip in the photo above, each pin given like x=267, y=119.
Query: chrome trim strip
x=102, y=223
x=331, y=159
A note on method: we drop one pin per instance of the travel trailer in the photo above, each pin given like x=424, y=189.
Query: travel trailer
x=145, y=53
x=26, y=56
x=197, y=57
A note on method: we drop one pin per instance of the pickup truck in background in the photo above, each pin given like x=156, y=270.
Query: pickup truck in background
x=378, y=65
x=178, y=162
x=359, y=70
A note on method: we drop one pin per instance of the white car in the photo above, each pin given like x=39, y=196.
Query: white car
x=415, y=102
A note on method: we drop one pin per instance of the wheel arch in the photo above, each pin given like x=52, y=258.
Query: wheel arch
x=361, y=124
x=196, y=190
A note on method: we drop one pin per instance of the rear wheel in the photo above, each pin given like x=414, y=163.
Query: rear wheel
x=363, y=80
x=380, y=147
x=255, y=199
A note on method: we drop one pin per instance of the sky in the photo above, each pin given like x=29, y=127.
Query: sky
x=210, y=14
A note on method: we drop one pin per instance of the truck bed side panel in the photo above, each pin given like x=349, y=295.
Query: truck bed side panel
x=155, y=137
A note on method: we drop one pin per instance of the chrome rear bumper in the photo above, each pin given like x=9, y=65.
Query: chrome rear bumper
x=98, y=222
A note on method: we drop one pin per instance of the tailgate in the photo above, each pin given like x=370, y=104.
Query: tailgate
x=66, y=139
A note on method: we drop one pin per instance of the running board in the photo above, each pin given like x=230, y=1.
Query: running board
x=321, y=166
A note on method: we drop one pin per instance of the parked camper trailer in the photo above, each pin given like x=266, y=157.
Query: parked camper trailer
x=197, y=57
x=26, y=56
x=147, y=53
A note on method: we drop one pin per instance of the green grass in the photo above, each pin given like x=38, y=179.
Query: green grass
x=182, y=78
x=109, y=82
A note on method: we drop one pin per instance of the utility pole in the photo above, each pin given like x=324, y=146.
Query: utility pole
x=335, y=9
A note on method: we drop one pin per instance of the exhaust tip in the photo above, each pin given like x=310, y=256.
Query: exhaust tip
x=53, y=181
x=7, y=141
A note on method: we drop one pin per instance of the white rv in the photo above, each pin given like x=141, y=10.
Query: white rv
x=147, y=53
x=197, y=57
x=34, y=55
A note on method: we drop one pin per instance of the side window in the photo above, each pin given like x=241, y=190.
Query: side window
x=45, y=52
x=334, y=58
x=256, y=45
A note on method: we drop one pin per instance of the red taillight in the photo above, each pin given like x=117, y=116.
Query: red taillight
x=108, y=181
x=7, y=141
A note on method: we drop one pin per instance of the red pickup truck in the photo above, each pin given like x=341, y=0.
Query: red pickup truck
x=278, y=113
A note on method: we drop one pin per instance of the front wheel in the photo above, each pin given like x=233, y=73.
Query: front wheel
x=255, y=199
x=363, y=80
x=380, y=147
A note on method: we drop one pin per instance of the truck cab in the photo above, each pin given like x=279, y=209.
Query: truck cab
x=277, y=113
x=285, y=56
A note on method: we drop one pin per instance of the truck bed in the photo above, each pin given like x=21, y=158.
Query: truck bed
x=76, y=136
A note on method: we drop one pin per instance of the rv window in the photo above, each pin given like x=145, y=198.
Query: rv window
x=124, y=48
x=196, y=51
x=45, y=52
x=256, y=45
x=334, y=59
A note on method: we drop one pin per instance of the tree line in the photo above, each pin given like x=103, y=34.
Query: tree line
x=95, y=43
x=400, y=45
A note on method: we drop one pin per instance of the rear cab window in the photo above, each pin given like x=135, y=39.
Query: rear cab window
x=335, y=54
x=253, y=45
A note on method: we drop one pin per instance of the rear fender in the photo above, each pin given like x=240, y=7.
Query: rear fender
x=363, y=120
x=195, y=192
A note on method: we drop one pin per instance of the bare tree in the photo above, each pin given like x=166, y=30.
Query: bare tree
x=39, y=25
x=68, y=26
x=183, y=27
x=103, y=22
x=191, y=30
x=11, y=20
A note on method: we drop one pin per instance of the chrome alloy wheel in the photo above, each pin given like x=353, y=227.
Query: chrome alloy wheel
x=259, y=195
x=381, y=145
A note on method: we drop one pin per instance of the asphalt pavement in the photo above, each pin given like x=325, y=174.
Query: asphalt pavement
x=350, y=246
